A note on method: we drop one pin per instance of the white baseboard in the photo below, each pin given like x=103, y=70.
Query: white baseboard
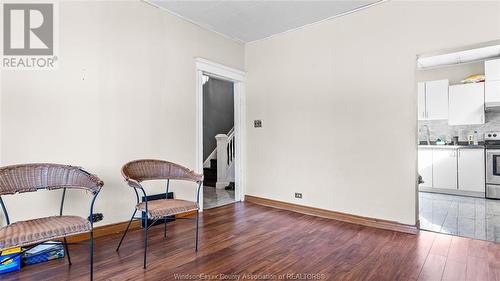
x=452, y=191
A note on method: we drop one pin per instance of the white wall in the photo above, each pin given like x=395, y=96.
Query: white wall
x=337, y=101
x=125, y=89
x=338, y=104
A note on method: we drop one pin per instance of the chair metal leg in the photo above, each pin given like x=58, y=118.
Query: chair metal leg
x=145, y=241
x=197, y=219
x=91, y=255
x=67, y=250
x=126, y=230
x=165, y=230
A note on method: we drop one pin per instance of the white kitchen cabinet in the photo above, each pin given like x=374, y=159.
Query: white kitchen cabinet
x=444, y=168
x=492, y=92
x=421, y=101
x=436, y=99
x=425, y=166
x=471, y=171
x=492, y=84
x=492, y=70
x=466, y=104
x=432, y=99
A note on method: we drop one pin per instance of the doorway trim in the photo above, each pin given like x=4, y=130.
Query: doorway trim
x=204, y=66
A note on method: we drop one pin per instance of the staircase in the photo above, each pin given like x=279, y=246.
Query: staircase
x=210, y=174
x=219, y=166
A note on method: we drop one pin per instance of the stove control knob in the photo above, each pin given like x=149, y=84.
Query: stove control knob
x=494, y=135
x=489, y=135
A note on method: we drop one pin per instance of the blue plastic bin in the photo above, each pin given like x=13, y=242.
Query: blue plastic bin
x=54, y=252
x=12, y=264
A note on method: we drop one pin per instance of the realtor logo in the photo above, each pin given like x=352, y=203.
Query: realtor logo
x=28, y=35
x=28, y=29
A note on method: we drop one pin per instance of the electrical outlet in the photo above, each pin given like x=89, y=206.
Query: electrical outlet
x=298, y=195
x=257, y=123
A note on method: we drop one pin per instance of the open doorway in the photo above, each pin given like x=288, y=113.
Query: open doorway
x=220, y=139
x=218, y=142
x=458, y=137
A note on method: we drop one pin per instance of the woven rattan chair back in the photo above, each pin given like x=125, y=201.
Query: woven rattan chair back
x=32, y=177
x=150, y=169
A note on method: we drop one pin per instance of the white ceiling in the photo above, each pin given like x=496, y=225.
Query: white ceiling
x=247, y=21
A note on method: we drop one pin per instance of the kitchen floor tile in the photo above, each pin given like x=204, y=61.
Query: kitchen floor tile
x=466, y=227
x=466, y=210
x=450, y=225
x=477, y=218
x=480, y=229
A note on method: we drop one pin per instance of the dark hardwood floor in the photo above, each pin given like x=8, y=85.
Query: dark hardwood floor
x=245, y=238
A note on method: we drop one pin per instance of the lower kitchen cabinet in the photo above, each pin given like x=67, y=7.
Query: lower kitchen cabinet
x=471, y=171
x=444, y=168
x=452, y=170
x=425, y=166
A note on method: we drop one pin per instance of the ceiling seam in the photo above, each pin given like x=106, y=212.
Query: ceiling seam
x=321, y=21
x=239, y=41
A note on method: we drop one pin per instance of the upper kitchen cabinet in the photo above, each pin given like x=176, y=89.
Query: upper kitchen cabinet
x=432, y=99
x=492, y=70
x=492, y=93
x=466, y=104
x=436, y=96
x=492, y=84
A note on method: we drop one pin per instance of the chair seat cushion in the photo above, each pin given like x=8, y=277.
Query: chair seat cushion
x=167, y=207
x=23, y=233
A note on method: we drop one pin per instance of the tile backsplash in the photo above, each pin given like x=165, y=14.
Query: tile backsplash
x=441, y=129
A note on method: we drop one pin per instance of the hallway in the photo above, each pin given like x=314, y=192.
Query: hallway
x=215, y=197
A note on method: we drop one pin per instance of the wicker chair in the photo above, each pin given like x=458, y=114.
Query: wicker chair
x=138, y=171
x=33, y=177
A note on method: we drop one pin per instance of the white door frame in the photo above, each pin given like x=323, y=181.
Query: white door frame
x=236, y=76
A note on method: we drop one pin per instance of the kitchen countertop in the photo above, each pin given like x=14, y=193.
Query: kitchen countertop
x=452, y=146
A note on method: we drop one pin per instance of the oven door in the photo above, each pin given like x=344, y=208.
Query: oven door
x=493, y=166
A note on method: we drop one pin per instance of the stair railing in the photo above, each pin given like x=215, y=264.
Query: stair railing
x=225, y=157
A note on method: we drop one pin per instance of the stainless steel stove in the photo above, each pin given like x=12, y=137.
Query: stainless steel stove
x=492, y=144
